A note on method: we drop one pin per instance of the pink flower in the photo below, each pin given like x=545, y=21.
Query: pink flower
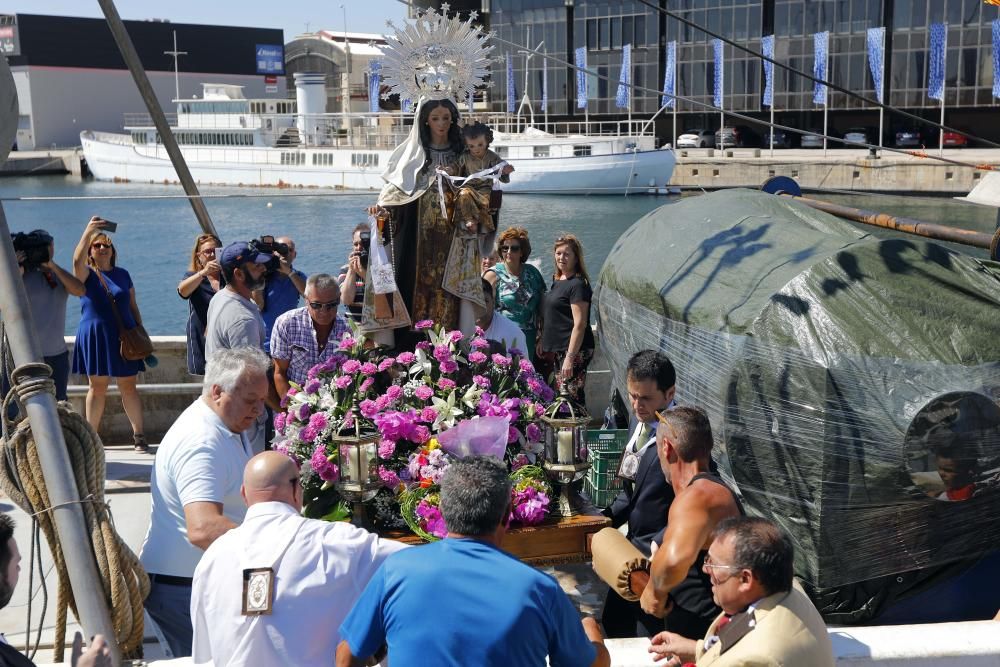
x=366, y=384
x=428, y=414
x=446, y=384
x=394, y=392
x=481, y=381
x=406, y=358
x=351, y=366
x=480, y=331
x=381, y=403
x=512, y=435
x=423, y=324
x=423, y=345
x=390, y=480
x=526, y=366
x=530, y=506
x=500, y=360
x=480, y=343
x=421, y=434
x=386, y=364
x=318, y=421
x=327, y=470
x=431, y=519
x=455, y=336
x=449, y=366
x=396, y=426
x=279, y=422
x=307, y=434
x=292, y=391
x=347, y=343
x=533, y=433
x=368, y=409
x=423, y=392
x=343, y=381
x=519, y=461
x=442, y=352
x=386, y=448
x=477, y=357
x=368, y=368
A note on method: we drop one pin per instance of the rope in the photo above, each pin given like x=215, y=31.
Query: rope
x=124, y=581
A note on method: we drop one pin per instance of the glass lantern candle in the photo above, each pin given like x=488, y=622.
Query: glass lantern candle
x=565, y=429
x=356, y=444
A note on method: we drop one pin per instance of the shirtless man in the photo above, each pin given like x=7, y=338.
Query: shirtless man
x=678, y=588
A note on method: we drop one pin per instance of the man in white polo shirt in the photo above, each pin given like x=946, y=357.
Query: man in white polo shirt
x=497, y=327
x=195, y=484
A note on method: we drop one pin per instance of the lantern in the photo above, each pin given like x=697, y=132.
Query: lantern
x=356, y=444
x=565, y=429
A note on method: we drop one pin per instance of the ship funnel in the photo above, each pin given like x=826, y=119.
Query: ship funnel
x=310, y=97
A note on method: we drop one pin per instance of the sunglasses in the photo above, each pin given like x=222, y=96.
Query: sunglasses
x=510, y=248
x=330, y=305
x=101, y=245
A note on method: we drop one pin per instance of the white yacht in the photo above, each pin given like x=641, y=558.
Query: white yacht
x=227, y=139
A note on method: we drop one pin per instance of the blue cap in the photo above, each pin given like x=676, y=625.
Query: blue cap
x=236, y=254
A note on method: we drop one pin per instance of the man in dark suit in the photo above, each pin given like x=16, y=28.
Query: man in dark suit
x=645, y=500
x=98, y=655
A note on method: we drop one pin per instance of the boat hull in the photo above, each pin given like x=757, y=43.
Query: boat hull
x=112, y=157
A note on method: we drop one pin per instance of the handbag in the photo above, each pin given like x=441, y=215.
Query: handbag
x=135, y=344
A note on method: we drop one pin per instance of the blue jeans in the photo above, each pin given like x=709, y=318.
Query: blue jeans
x=170, y=606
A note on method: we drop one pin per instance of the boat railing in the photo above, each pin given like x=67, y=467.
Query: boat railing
x=145, y=120
x=516, y=124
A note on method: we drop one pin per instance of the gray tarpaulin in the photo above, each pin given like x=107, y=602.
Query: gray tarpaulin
x=839, y=371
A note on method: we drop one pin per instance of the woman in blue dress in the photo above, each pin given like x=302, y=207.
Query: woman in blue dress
x=97, y=352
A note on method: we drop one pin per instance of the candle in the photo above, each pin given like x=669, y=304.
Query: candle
x=564, y=450
x=354, y=464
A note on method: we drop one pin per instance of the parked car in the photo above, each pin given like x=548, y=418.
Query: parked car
x=910, y=137
x=739, y=136
x=696, y=138
x=813, y=139
x=782, y=139
x=856, y=135
x=956, y=140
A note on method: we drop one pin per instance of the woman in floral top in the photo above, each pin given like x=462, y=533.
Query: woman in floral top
x=519, y=286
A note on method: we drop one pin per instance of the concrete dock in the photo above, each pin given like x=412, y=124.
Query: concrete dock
x=39, y=163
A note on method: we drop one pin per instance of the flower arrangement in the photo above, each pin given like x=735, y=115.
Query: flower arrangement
x=411, y=399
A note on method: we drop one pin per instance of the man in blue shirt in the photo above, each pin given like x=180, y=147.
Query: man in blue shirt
x=282, y=289
x=465, y=601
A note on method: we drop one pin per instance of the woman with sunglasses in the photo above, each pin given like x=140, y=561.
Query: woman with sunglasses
x=567, y=342
x=200, y=283
x=518, y=286
x=97, y=352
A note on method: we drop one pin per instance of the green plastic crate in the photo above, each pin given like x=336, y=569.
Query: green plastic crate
x=602, y=483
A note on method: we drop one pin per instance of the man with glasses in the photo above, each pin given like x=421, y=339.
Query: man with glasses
x=304, y=337
x=646, y=495
x=310, y=573
x=766, y=618
x=679, y=590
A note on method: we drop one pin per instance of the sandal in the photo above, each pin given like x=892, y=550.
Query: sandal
x=140, y=444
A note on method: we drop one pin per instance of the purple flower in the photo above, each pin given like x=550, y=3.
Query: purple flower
x=386, y=448
x=394, y=425
x=406, y=358
x=390, y=480
x=381, y=403
x=423, y=345
x=512, y=435
x=480, y=343
x=279, y=422
x=368, y=368
x=386, y=364
x=500, y=360
x=477, y=357
x=449, y=366
x=533, y=433
x=423, y=324
x=428, y=414
x=481, y=380
x=455, y=336
x=519, y=461
x=343, y=381
x=312, y=386
x=442, y=352
x=327, y=471
x=351, y=366
x=446, y=384
x=530, y=506
x=303, y=412
x=480, y=331
x=534, y=386
x=318, y=421
x=516, y=352
x=423, y=392
x=347, y=343
x=421, y=434
x=307, y=434
x=431, y=519
x=526, y=366
x=366, y=384
x=368, y=408
x=394, y=392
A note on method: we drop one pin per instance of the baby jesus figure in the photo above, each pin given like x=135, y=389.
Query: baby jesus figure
x=473, y=203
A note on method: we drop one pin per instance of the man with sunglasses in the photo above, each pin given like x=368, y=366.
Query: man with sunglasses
x=679, y=590
x=766, y=618
x=309, y=571
x=303, y=337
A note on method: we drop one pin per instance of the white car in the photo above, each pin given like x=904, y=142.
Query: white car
x=696, y=139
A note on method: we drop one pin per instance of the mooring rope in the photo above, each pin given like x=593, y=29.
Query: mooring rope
x=124, y=581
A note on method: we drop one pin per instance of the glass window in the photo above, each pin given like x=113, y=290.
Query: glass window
x=604, y=31
x=971, y=14
x=954, y=13
x=540, y=151
x=627, y=36
x=918, y=16
x=901, y=14
x=616, y=33
x=581, y=151
x=795, y=18
x=968, y=67
x=740, y=23
x=640, y=32
x=592, y=35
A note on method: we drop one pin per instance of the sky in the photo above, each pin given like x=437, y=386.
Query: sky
x=293, y=16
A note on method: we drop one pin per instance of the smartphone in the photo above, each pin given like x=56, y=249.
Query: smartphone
x=110, y=227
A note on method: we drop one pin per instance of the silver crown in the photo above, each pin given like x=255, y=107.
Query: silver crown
x=436, y=57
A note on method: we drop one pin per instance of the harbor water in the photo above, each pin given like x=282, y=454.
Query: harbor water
x=156, y=234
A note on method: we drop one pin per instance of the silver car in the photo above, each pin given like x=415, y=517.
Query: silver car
x=696, y=139
x=857, y=135
x=814, y=139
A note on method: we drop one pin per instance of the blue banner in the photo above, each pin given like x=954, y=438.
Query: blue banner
x=717, y=83
x=996, y=58
x=625, y=78
x=936, y=61
x=406, y=106
x=545, y=83
x=670, y=78
x=767, y=48
x=270, y=59
x=511, y=93
x=581, y=78
x=821, y=54
x=876, y=58
x=374, y=85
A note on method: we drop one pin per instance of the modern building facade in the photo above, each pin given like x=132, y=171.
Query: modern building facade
x=605, y=26
x=70, y=76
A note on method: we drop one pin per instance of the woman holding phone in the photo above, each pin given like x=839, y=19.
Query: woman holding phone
x=199, y=285
x=97, y=351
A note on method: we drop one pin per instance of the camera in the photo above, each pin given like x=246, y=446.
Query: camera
x=34, y=245
x=366, y=244
x=266, y=245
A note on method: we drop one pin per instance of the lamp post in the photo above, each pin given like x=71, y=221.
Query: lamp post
x=356, y=448
x=565, y=430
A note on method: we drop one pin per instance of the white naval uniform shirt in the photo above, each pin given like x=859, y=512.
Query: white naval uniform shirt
x=317, y=580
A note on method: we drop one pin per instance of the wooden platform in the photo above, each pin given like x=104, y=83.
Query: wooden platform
x=554, y=542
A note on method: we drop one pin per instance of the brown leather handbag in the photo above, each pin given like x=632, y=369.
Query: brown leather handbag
x=135, y=342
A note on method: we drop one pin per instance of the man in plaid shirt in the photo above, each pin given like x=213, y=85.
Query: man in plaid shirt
x=304, y=337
